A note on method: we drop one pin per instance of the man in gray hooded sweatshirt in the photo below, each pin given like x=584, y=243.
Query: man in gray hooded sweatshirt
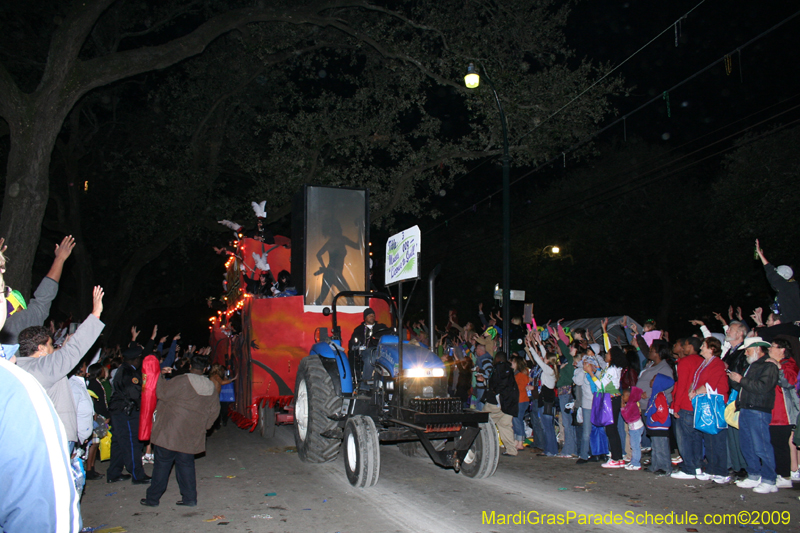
x=50, y=366
x=187, y=407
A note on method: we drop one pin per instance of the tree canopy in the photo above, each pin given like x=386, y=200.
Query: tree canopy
x=259, y=98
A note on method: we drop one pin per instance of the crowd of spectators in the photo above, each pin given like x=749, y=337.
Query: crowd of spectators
x=622, y=403
x=63, y=394
x=630, y=403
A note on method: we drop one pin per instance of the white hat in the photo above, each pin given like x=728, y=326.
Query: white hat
x=754, y=341
x=785, y=272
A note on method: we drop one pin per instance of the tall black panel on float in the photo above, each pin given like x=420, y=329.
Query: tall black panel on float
x=330, y=237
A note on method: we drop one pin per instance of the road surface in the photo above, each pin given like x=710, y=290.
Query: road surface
x=241, y=470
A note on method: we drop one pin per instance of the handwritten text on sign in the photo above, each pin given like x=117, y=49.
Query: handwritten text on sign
x=402, y=250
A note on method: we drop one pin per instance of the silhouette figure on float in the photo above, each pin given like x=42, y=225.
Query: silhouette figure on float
x=336, y=247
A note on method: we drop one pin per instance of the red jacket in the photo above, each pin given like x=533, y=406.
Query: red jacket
x=686, y=368
x=151, y=370
x=779, y=416
x=714, y=374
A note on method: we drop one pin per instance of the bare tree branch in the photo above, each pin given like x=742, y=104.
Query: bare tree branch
x=392, y=55
x=405, y=20
x=403, y=182
x=161, y=23
x=68, y=40
x=10, y=96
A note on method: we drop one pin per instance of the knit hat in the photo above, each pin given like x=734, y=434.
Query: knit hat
x=368, y=311
x=785, y=271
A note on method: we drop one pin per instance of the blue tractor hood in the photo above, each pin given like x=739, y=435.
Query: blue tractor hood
x=413, y=356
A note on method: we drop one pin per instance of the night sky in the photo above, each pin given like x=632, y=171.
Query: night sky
x=702, y=120
x=706, y=115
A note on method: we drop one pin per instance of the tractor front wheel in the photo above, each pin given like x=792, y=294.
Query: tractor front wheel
x=362, y=456
x=483, y=455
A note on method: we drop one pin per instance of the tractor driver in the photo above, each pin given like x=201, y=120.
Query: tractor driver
x=364, y=331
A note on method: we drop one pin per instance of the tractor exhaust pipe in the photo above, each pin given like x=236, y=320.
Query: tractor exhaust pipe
x=431, y=329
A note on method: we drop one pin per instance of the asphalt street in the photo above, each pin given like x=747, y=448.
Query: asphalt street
x=249, y=484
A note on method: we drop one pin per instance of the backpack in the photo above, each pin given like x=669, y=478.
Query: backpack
x=656, y=416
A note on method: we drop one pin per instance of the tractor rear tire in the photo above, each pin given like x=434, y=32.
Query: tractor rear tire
x=361, y=450
x=315, y=403
x=481, y=460
x=266, y=421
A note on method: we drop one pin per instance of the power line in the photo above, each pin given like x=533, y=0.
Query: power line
x=581, y=94
x=702, y=148
x=543, y=220
x=651, y=41
x=588, y=138
x=603, y=196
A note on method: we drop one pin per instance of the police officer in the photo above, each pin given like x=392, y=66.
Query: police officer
x=124, y=408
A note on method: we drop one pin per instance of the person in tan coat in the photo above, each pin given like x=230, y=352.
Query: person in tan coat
x=187, y=407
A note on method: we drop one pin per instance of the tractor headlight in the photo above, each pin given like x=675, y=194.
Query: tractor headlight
x=424, y=373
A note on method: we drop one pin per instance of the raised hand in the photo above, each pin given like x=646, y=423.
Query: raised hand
x=698, y=323
x=65, y=248
x=757, y=316
x=604, y=324
x=739, y=313
x=134, y=333
x=720, y=318
x=760, y=253
x=97, y=301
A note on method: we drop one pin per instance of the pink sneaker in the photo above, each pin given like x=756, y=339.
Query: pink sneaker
x=613, y=464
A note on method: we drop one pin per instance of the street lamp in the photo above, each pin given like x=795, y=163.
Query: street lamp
x=472, y=80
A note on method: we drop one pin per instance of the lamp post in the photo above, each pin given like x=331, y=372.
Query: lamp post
x=472, y=80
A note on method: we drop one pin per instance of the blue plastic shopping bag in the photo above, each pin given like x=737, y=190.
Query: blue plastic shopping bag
x=709, y=412
x=598, y=441
x=227, y=394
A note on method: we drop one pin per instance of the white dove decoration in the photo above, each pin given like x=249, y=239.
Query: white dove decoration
x=260, y=209
x=228, y=224
x=261, y=261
